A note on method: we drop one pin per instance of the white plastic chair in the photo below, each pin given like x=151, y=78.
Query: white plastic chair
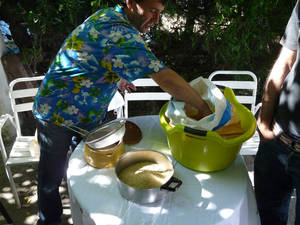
x=23, y=146
x=144, y=96
x=25, y=149
x=117, y=104
x=248, y=85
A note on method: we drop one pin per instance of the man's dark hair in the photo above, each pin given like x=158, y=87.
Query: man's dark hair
x=123, y=2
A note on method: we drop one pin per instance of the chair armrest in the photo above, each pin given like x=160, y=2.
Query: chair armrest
x=4, y=118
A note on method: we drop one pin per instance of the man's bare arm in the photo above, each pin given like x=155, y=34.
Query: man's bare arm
x=175, y=85
x=273, y=85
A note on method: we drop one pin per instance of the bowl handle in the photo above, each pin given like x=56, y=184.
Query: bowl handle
x=172, y=185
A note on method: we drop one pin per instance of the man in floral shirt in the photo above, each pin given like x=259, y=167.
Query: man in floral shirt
x=104, y=51
x=84, y=75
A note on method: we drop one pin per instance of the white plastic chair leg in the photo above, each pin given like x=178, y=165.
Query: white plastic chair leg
x=13, y=186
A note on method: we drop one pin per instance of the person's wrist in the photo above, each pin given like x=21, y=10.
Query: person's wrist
x=265, y=132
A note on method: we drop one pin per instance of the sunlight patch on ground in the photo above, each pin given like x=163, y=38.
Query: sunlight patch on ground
x=17, y=175
x=67, y=211
x=31, y=219
x=26, y=183
x=6, y=189
x=30, y=170
x=6, y=196
x=70, y=221
x=62, y=189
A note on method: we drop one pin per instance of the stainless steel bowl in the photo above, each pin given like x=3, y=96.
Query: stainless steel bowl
x=106, y=135
x=145, y=196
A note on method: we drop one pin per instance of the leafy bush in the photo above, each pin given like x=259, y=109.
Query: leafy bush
x=223, y=34
x=201, y=36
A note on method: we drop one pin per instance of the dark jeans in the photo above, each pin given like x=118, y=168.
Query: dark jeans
x=55, y=142
x=276, y=174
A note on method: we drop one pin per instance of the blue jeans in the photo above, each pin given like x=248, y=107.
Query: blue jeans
x=276, y=174
x=55, y=142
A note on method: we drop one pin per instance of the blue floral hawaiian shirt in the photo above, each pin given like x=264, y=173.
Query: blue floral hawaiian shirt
x=83, y=77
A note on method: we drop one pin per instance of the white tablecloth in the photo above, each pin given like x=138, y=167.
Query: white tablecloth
x=219, y=198
x=250, y=146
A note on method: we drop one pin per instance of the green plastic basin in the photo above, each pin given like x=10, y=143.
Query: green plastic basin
x=207, y=151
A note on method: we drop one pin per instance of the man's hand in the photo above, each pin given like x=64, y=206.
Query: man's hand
x=124, y=85
x=265, y=132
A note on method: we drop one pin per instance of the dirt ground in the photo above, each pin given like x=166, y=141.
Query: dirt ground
x=25, y=178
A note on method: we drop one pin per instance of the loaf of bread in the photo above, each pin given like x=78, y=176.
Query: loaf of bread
x=145, y=175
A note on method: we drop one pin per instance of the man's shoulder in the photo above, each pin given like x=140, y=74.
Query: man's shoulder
x=110, y=15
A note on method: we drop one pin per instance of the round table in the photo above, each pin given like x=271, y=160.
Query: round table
x=219, y=198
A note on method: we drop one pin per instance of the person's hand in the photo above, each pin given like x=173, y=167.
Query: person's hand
x=265, y=132
x=195, y=113
x=124, y=85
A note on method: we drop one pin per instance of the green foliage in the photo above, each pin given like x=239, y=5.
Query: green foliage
x=48, y=24
x=243, y=32
x=223, y=34
x=203, y=35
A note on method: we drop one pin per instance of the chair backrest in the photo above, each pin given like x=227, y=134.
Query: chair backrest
x=144, y=95
x=22, y=97
x=23, y=90
x=243, y=83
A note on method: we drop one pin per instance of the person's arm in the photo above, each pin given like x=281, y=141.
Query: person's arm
x=176, y=86
x=273, y=85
